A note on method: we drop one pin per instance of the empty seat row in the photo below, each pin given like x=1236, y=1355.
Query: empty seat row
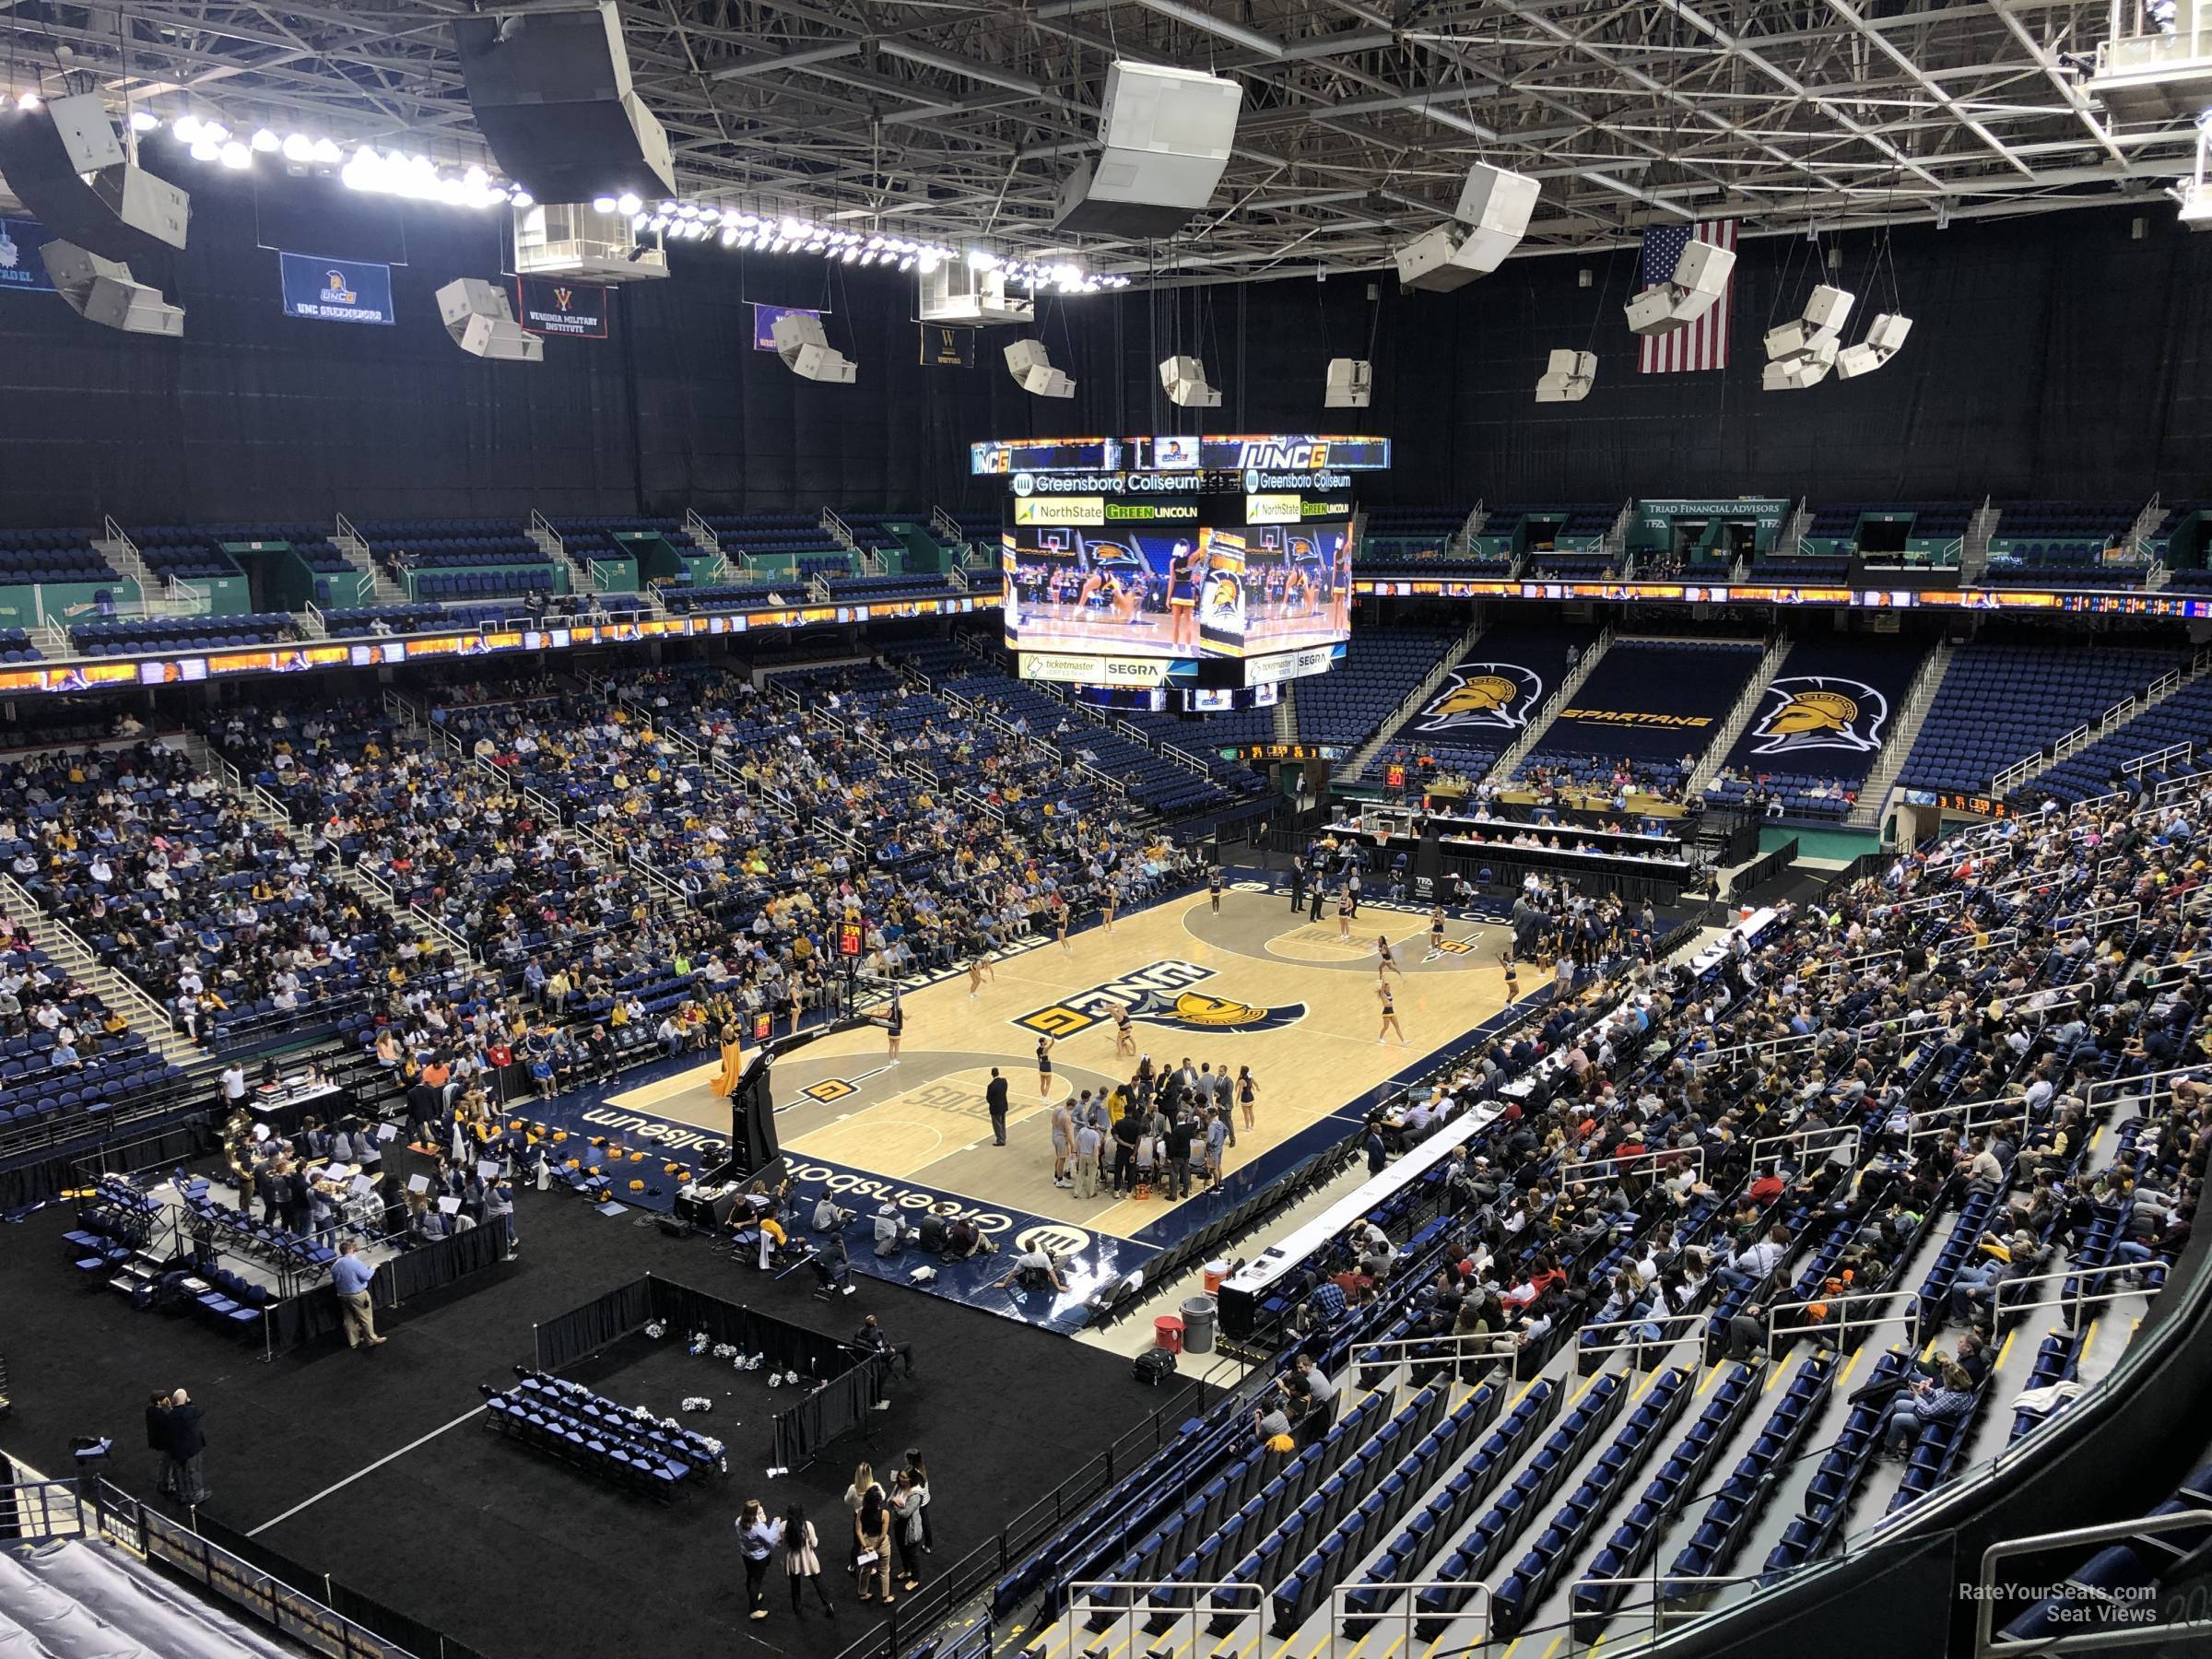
x=1751, y=1486
x=1478, y=1554
x=1631, y=1545
x=1836, y=1481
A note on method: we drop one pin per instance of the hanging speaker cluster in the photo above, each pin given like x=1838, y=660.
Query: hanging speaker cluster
x=1165, y=136
x=1031, y=367
x=1494, y=205
x=1885, y=338
x=1700, y=278
x=66, y=162
x=1184, y=379
x=1801, y=351
x=476, y=314
x=1568, y=377
x=1350, y=384
x=806, y=351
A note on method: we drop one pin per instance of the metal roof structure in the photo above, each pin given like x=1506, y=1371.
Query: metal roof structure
x=957, y=120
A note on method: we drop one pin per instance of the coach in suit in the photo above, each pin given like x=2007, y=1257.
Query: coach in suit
x=995, y=1097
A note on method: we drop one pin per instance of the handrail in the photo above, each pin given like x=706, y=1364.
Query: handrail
x=2129, y=1635
x=23, y=905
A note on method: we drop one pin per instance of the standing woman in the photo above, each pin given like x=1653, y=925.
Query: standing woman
x=1248, y=1090
x=1345, y=907
x=733, y=1062
x=1386, y=957
x=920, y=1471
x=795, y=1000
x=863, y=1482
x=907, y=1498
x=872, y=1545
x=801, y=1564
x=1390, y=1013
x=894, y=1025
x=1109, y=894
x=1060, y=920
x=757, y=1538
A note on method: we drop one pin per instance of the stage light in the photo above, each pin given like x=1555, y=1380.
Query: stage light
x=907, y=264
x=982, y=259
x=326, y=153
x=188, y=129
x=607, y=204
x=237, y=155
x=729, y=236
x=656, y=224
x=30, y=100
x=640, y=220
x=144, y=121
x=215, y=130
x=299, y=147
x=206, y=150
x=267, y=143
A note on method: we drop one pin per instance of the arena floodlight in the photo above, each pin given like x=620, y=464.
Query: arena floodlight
x=1700, y=278
x=1031, y=367
x=1568, y=377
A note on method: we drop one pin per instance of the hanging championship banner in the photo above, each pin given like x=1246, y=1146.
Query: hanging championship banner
x=551, y=305
x=21, y=267
x=944, y=348
x=335, y=290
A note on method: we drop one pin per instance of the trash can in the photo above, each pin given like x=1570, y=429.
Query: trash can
x=1167, y=1333
x=1198, y=1326
x=1215, y=1273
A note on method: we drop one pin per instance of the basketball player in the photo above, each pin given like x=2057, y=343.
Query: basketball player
x=1125, y=1033
x=1044, y=1068
x=1386, y=957
x=1389, y=1014
x=1436, y=932
x=1213, y=887
x=1064, y=1128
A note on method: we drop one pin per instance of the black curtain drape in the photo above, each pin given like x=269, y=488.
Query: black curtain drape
x=563, y=1340
x=843, y=1390
x=34, y=1178
x=300, y=1319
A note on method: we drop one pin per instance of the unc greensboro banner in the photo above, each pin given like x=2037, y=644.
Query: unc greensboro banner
x=21, y=268
x=550, y=305
x=764, y=322
x=944, y=348
x=335, y=290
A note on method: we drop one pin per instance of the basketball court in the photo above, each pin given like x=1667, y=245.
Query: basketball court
x=1256, y=985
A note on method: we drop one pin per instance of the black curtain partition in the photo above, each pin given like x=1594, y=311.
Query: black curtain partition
x=582, y=1332
x=843, y=1390
x=300, y=1319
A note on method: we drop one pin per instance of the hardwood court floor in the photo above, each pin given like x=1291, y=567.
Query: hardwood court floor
x=1255, y=985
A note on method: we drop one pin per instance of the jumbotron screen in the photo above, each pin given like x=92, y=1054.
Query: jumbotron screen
x=1178, y=571
x=1194, y=593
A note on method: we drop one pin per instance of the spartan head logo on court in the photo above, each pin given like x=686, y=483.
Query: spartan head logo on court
x=1819, y=711
x=1161, y=995
x=1496, y=696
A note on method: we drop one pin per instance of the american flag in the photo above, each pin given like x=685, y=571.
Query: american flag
x=1694, y=346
